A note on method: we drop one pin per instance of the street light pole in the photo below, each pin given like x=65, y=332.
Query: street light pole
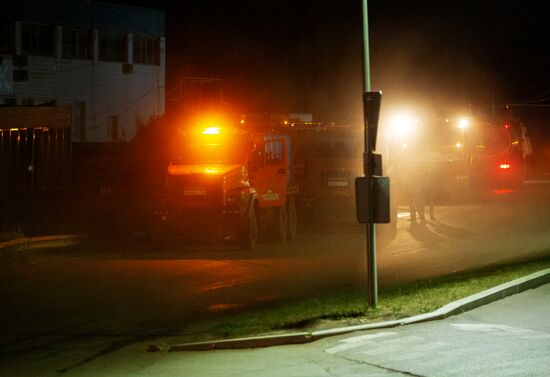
x=368, y=167
x=366, y=56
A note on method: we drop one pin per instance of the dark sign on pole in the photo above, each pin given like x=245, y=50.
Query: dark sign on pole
x=376, y=189
x=371, y=106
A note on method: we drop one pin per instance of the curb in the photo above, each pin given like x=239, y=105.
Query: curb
x=35, y=243
x=456, y=307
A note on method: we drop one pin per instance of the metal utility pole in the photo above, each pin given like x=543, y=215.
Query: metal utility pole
x=369, y=169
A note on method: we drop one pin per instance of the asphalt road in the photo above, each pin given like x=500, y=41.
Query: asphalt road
x=64, y=311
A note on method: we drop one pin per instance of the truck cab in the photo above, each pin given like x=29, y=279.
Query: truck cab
x=231, y=183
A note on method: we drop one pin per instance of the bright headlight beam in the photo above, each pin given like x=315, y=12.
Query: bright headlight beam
x=463, y=123
x=211, y=131
x=401, y=125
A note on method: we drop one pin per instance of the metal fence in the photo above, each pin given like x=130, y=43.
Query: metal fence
x=35, y=165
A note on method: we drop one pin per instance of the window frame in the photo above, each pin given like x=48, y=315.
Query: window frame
x=34, y=45
x=146, y=50
x=84, y=51
x=105, y=52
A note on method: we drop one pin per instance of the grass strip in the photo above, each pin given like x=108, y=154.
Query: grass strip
x=394, y=302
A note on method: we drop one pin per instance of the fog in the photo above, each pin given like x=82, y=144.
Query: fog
x=168, y=247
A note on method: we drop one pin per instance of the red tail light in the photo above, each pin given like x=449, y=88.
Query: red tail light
x=505, y=166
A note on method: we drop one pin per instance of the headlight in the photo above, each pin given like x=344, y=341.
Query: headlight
x=463, y=123
x=402, y=125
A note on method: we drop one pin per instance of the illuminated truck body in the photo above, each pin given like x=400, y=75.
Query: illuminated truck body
x=232, y=184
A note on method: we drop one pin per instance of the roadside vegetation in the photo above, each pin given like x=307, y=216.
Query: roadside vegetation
x=348, y=307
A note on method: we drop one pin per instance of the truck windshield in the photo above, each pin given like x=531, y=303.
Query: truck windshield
x=198, y=149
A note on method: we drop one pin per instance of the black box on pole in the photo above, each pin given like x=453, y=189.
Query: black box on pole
x=380, y=189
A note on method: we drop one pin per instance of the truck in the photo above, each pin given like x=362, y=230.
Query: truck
x=231, y=182
x=459, y=158
x=328, y=158
x=497, y=157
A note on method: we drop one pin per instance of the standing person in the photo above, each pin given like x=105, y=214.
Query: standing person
x=418, y=178
x=417, y=192
x=410, y=186
x=429, y=175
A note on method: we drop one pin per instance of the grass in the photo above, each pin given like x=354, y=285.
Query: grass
x=349, y=306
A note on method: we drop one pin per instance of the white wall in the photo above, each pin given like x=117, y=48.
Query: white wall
x=101, y=85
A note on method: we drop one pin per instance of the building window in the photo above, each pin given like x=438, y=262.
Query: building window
x=112, y=48
x=77, y=44
x=6, y=36
x=146, y=51
x=113, y=128
x=38, y=39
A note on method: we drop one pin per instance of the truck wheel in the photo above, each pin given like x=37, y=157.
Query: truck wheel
x=249, y=232
x=281, y=224
x=292, y=220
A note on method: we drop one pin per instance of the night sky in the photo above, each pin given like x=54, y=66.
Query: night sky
x=305, y=56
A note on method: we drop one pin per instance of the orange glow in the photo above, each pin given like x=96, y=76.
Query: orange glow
x=184, y=169
x=505, y=166
x=173, y=169
x=210, y=123
x=212, y=170
x=211, y=131
x=503, y=191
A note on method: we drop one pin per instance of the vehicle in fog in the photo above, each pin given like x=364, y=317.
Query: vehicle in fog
x=452, y=158
x=233, y=182
x=328, y=159
x=497, y=157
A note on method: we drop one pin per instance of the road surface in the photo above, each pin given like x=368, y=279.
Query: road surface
x=63, y=311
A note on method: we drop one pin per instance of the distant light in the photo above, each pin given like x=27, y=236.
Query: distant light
x=404, y=145
x=463, y=123
x=242, y=121
x=505, y=166
x=506, y=126
x=211, y=131
x=458, y=145
x=285, y=122
x=402, y=124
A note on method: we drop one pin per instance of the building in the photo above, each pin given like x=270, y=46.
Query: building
x=106, y=61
